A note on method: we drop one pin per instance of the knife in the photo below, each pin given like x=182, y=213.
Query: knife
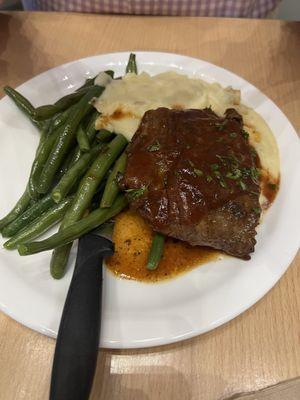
x=78, y=336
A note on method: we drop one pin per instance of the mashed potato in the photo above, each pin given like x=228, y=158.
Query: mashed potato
x=124, y=102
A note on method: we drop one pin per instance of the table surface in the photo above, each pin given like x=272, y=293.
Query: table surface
x=257, y=349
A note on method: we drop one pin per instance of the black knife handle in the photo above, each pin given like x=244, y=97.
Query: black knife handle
x=78, y=336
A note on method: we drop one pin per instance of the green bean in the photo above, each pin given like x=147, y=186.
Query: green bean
x=67, y=163
x=39, y=163
x=94, y=176
x=41, y=157
x=156, y=251
x=112, y=188
x=34, y=167
x=90, y=81
x=74, y=172
x=43, y=150
x=46, y=126
x=74, y=231
x=45, y=146
x=97, y=196
x=110, y=73
x=74, y=156
x=90, y=129
x=23, y=104
x=40, y=224
x=83, y=198
x=65, y=140
x=82, y=139
x=131, y=65
x=18, y=209
x=58, y=120
x=49, y=110
x=29, y=215
x=104, y=135
x=59, y=261
x=90, y=132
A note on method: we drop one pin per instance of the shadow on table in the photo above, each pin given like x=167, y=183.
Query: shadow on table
x=151, y=374
x=138, y=377
x=152, y=384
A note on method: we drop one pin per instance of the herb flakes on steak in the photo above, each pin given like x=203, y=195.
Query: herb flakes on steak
x=194, y=176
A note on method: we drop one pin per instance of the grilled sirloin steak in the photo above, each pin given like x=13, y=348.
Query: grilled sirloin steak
x=194, y=176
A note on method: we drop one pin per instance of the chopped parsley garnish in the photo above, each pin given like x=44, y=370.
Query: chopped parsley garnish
x=255, y=174
x=245, y=134
x=234, y=161
x=134, y=194
x=219, y=157
x=221, y=125
x=223, y=159
x=198, y=172
x=232, y=135
x=214, y=167
x=226, y=160
x=242, y=185
x=234, y=175
x=272, y=186
x=209, y=178
x=191, y=163
x=154, y=147
x=257, y=210
x=253, y=152
x=217, y=174
x=246, y=172
x=223, y=183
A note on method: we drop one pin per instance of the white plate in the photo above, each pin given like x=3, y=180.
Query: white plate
x=137, y=314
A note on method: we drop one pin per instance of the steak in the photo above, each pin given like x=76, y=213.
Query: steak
x=194, y=176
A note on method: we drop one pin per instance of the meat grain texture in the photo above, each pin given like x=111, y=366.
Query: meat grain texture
x=193, y=175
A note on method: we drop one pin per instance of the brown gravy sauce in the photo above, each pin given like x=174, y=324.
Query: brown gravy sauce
x=132, y=237
x=117, y=115
x=269, y=188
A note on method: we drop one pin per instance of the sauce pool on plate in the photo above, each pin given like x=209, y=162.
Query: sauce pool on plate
x=132, y=237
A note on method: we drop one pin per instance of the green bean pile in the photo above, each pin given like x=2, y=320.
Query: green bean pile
x=73, y=178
